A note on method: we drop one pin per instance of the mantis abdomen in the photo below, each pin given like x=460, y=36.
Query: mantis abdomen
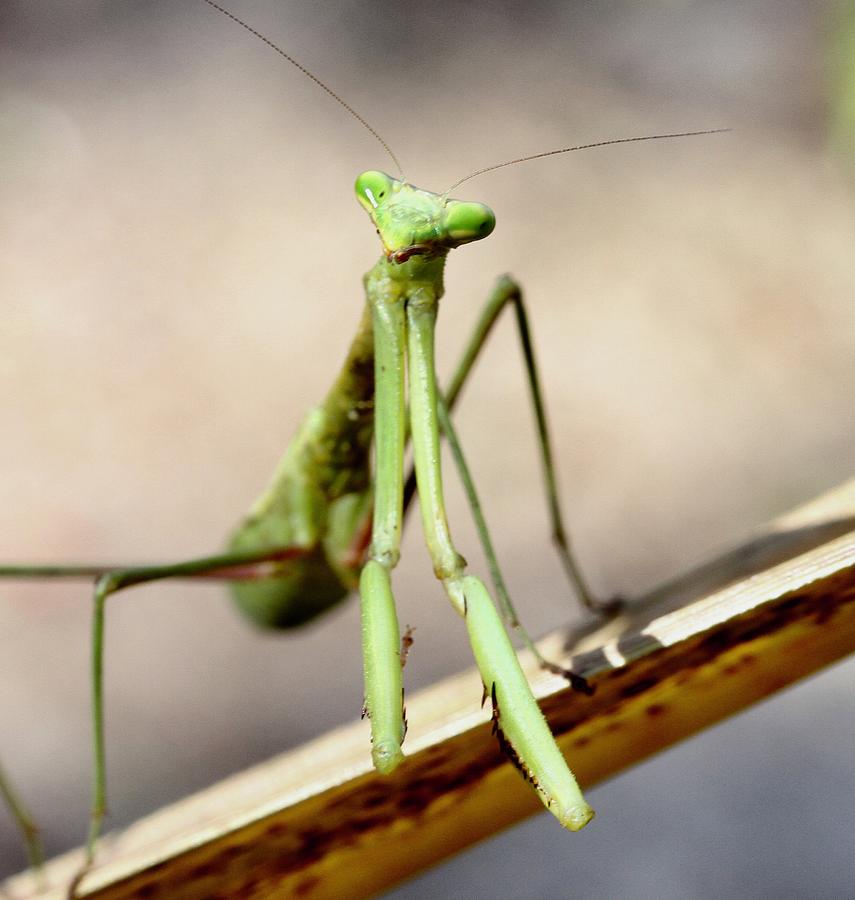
x=318, y=503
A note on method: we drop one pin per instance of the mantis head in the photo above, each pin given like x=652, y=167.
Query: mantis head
x=414, y=222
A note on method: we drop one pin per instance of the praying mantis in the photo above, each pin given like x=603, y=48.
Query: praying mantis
x=325, y=539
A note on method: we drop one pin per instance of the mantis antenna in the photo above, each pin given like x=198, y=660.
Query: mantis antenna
x=646, y=137
x=314, y=78
x=511, y=162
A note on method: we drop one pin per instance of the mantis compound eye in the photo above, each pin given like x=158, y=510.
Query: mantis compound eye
x=372, y=188
x=465, y=222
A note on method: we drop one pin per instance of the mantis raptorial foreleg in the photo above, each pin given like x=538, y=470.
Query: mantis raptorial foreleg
x=381, y=638
x=518, y=716
x=508, y=293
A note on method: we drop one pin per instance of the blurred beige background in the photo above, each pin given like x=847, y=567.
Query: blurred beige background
x=180, y=268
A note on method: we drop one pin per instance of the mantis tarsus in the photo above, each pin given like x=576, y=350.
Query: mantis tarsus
x=334, y=506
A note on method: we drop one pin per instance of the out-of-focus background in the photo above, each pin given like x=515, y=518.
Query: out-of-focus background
x=180, y=270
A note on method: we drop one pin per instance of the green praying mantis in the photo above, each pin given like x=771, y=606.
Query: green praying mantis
x=330, y=522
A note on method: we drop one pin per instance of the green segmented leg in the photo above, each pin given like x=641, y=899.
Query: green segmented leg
x=517, y=714
x=381, y=639
x=24, y=821
x=107, y=585
x=496, y=576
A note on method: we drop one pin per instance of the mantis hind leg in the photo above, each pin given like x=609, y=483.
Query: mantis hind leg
x=24, y=821
x=231, y=566
x=234, y=566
